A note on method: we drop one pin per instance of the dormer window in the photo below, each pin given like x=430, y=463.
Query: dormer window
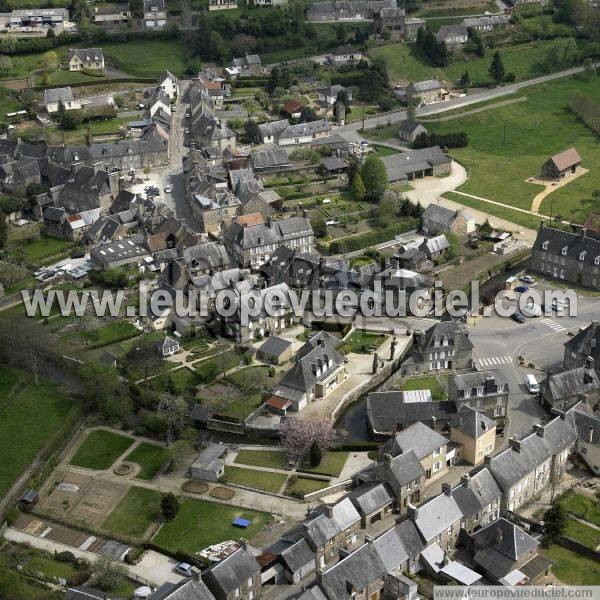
x=582, y=255
x=545, y=245
x=597, y=260
x=564, y=250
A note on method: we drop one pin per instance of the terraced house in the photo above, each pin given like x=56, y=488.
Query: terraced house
x=487, y=391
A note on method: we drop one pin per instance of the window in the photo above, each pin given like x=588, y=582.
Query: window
x=437, y=466
x=545, y=245
x=582, y=255
x=437, y=452
x=597, y=260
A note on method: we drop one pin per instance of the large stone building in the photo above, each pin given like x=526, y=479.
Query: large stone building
x=486, y=391
x=569, y=256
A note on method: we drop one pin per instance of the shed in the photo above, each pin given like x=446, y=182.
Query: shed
x=28, y=500
x=275, y=350
x=562, y=164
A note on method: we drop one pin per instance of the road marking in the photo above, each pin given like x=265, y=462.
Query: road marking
x=495, y=360
x=553, y=325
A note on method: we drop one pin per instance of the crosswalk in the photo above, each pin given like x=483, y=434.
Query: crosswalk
x=553, y=325
x=490, y=361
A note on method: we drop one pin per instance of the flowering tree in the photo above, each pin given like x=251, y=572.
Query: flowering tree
x=298, y=435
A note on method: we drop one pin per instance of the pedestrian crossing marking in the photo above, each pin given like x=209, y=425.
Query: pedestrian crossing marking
x=553, y=325
x=490, y=361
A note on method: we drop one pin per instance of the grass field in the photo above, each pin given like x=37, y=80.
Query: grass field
x=425, y=383
x=135, y=513
x=29, y=417
x=584, y=534
x=200, y=523
x=509, y=144
x=362, y=341
x=261, y=480
x=147, y=58
x=582, y=506
x=150, y=457
x=332, y=464
x=108, y=334
x=272, y=459
x=573, y=569
x=100, y=449
x=43, y=250
x=303, y=485
x=405, y=63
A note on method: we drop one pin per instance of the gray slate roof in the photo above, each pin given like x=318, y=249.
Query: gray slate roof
x=233, y=571
x=396, y=471
x=370, y=497
x=409, y=126
x=473, y=423
x=440, y=215
x=582, y=249
x=586, y=342
x=570, y=383
x=390, y=549
x=437, y=515
x=480, y=491
x=274, y=346
x=586, y=423
x=54, y=95
x=297, y=556
x=398, y=166
x=418, y=437
x=188, y=589
x=410, y=538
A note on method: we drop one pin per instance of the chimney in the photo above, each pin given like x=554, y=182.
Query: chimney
x=590, y=435
x=447, y=489
x=589, y=362
x=399, y=426
x=413, y=511
x=433, y=423
x=329, y=511
x=515, y=444
x=538, y=429
x=244, y=543
x=465, y=479
x=498, y=535
x=386, y=457
x=487, y=460
x=369, y=539
x=446, y=559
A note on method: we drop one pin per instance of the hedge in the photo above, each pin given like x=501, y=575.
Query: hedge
x=371, y=238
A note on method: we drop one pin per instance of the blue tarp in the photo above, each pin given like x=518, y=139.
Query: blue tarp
x=239, y=522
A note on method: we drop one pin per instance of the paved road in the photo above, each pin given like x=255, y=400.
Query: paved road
x=432, y=109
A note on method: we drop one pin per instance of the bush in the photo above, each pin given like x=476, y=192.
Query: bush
x=449, y=140
x=66, y=557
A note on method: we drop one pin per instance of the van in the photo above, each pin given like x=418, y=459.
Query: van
x=184, y=568
x=531, y=384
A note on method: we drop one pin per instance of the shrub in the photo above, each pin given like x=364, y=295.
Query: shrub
x=449, y=140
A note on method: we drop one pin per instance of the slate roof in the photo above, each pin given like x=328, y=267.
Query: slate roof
x=569, y=384
x=86, y=54
x=345, y=50
x=455, y=332
x=439, y=243
x=418, y=437
x=398, y=166
x=586, y=424
x=297, y=556
x=231, y=573
x=332, y=163
x=270, y=158
x=501, y=544
x=478, y=492
x=442, y=216
x=493, y=20
x=396, y=471
x=274, y=346
x=274, y=128
x=305, y=129
x=370, y=497
x=358, y=570
x=87, y=593
x=154, y=5
x=449, y=31
x=437, y=515
x=425, y=86
x=312, y=593
x=56, y=95
x=187, y=589
x=410, y=538
x=586, y=342
x=473, y=423
x=583, y=249
x=390, y=549
x=111, y=9
x=409, y=126
x=323, y=527
x=510, y=466
x=385, y=410
x=488, y=380
x=206, y=255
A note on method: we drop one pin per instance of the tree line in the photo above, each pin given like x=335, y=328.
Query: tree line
x=587, y=109
x=450, y=140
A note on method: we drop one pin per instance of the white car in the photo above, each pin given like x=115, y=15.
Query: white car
x=187, y=130
x=168, y=189
x=559, y=305
x=527, y=279
x=531, y=310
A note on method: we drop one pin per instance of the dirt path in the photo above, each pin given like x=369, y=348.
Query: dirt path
x=475, y=110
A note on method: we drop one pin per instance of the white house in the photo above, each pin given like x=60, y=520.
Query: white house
x=85, y=58
x=169, y=84
x=54, y=97
x=155, y=13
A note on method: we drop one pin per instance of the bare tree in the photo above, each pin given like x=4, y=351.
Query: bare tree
x=298, y=435
x=174, y=410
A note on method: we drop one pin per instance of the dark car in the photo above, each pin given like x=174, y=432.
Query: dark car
x=521, y=289
x=518, y=317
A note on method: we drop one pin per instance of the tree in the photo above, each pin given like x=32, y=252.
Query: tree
x=298, y=435
x=319, y=228
x=147, y=171
x=252, y=132
x=357, y=188
x=143, y=356
x=169, y=506
x=341, y=33
x=174, y=410
x=496, y=69
x=105, y=391
x=589, y=69
x=49, y=62
x=465, y=80
x=316, y=454
x=345, y=100
x=5, y=63
x=387, y=209
x=107, y=574
x=307, y=115
x=374, y=176
x=10, y=272
x=485, y=229
x=555, y=523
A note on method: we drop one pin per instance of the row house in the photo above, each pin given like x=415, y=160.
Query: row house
x=583, y=349
x=561, y=391
x=486, y=391
x=478, y=497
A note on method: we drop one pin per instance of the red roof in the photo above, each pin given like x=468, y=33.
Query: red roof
x=292, y=106
x=250, y=219
x=566, y=159
x=278, y=402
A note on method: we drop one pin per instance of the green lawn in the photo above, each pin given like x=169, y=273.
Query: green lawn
x=135, y=513
x=200, y=523
x=108, y=334
x=261, y=480
x=244, y=377
x=332, y=464
x=509, y=144
x=573, y=569
x=100, y=449
x=183, y=379
x=30, y=416
x=68, y=77
x=428, y=382
x=582, y=506
x=303, y=485
x=362, y=341
x=405, y=63
x=102, y=127
x=150, y=457
x=586, y=535
x=147, y=58
x=273, y=459
x=43, y=250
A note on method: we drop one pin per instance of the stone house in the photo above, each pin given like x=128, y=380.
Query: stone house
x=568, y=256
x=479, y=497
x=344, y=55
x=486, y=391
x=85, y=58
x=445, y=345
x=437, y=219
x=435, y=247
x=169, y=84
x=168, y=346
x=486, y=23
x=416, y=164
x=111, y=14
x=55, y=97
x=587, y=429
x=409, y=130
x=275, y=350
x=391, y=22
x=328, y=96
x=88, y=188
x=583, y=349
x=560, y=165
x=236, y=577
x=452, y=35
x=425, y=92
x=476, y=434
x=298, y=561
x=335, y=528
x=563, y=390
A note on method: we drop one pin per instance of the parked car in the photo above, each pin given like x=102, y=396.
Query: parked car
x=187, y=130
x=168, y=189
x=531, y=384
x=521, y=289
x=531, y=310
x=560, y=305
x=526, y=279
x=184, y=568
x=517, y=317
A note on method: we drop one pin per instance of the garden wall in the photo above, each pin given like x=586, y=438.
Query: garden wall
x=578, y=548
x=338, y=487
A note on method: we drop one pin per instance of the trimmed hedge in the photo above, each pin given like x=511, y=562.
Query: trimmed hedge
x=371, y=238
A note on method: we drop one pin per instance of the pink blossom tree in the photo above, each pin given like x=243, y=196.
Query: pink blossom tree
x=298, y=435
